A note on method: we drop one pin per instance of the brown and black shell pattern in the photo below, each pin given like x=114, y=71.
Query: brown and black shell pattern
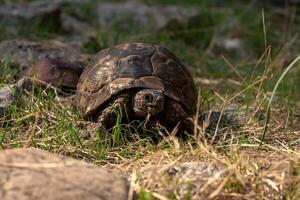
x=134, y=65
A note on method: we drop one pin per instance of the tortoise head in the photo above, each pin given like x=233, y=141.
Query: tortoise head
x=148, y=102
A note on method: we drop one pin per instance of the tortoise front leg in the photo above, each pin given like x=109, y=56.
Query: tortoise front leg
x=109, y=115
x=107, y=118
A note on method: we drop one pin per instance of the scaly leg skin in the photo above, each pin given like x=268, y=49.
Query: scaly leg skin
x=175, y=113
x=108, y=116
x=106, y=119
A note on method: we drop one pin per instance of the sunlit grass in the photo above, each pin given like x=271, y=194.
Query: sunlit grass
x=239, y=81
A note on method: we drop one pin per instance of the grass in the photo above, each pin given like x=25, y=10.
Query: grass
x=244, y=78
x=9, y=72
x=273, y=95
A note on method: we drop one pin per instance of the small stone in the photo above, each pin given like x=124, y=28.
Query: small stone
x=184, y=178
x=6, y=99
x=217, y=119
x=9, y=93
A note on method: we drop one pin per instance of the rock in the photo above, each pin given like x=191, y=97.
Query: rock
x=37, y=13
x=49, y=15
x=51, y=63
x=9, y=93
x=231, y=45
x=29, y=10
x=32, y=174
x=34, y=9
x=25, y=53
x=232, y=116
x=6, y=99
x=73, y=25
x=87, y=44
x=201, y=180
x=48, y=73
x=184, y=178
x=228, y=119
x=154, y=17
x=79, y=33
x=56, y=72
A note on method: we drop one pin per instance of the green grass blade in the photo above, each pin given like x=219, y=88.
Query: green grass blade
x=273, y=94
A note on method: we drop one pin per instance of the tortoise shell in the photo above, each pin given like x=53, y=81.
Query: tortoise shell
x=134, y=65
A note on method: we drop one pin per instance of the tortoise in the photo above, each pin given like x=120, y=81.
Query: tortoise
x=145, y=80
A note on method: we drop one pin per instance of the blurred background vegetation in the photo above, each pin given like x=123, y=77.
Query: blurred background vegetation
x=217, y=40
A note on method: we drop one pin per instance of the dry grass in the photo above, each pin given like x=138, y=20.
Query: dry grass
x=227, y=163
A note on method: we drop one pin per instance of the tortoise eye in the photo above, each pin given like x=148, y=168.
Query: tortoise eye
x=147, y=97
